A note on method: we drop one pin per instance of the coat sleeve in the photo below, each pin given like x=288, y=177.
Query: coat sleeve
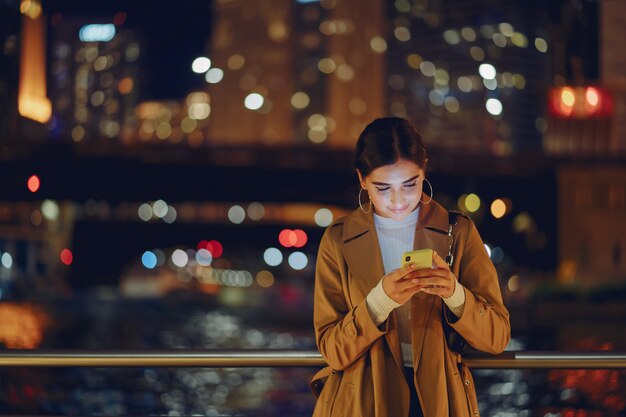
x=484, y=323
x=342, y=334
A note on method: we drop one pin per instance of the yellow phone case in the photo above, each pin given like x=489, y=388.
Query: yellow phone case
x=422, y=258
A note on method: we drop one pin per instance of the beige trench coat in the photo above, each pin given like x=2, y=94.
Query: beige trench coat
x=365, y=376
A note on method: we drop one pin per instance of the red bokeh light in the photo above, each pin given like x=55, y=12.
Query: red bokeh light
x=67, y=257
x=580, y=102
x=292, y=238
x=284, y=237
x=215, y=248
x=301, y=238
x=203, y=244
x=34, y=183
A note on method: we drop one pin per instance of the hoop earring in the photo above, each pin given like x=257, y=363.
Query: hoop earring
x=361, y=205
x=431, y=192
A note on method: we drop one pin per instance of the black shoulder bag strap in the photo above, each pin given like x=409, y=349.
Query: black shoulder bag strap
x=456, y=343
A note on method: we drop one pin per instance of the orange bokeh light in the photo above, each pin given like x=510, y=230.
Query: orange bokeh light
x=34, y=183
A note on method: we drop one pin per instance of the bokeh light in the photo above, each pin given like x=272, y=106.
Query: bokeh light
x=487, y=71
x=214, y=75
x=265, y=279
x=514, y=283
x=292, y=238
x=201, y=65
x=199, y=111
x=523, y=222
x=159, y=208
x=498, y=208
x=170, y=216
x=50, y=209
x=300, y=100
x=180, y=258
x=323, y=217
x=427, y=68
x=215, y=248
x=7, y=260
x=256, y=211
x=472, y=203
x=541, y=45
x=451, y=37
x=254, y=101
x=204, y=257
x=298, y=261
x=236, y=214
x=273, y=257
x=378, y=44
x=497, y=255
x=149, y=259
x=236, y=62
x=33, y=183
x=494, y=106
x=66, y=257
x=145, y=212
x=287, y=238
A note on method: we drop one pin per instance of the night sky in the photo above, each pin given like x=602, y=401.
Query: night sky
x=172, y=33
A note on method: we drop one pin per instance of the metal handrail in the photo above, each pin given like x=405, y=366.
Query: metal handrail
x=291, y=358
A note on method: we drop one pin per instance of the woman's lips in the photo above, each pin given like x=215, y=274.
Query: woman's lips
x=398, y=211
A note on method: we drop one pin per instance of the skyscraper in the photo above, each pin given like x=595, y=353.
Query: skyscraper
x=252, y=44
x=471, y=74
x=94, y=78
x=310, y=65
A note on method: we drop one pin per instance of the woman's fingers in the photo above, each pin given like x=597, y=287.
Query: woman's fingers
x=439, y=262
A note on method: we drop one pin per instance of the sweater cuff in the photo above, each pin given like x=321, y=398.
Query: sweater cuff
x=456, y=302
x=379, y=304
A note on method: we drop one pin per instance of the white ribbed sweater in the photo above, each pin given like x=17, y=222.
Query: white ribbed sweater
x=395, y=238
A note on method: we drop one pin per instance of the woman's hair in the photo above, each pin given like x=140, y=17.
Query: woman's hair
x=384, y=141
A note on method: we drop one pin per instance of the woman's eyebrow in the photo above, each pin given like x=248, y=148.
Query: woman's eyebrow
x=403, y=182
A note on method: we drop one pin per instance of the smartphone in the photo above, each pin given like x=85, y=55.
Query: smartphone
x=422, y=258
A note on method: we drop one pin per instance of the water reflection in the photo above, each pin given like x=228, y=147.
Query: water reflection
x=187, y=320
x=175, y=322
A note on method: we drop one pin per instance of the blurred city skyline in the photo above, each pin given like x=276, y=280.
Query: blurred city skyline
x=264, y=87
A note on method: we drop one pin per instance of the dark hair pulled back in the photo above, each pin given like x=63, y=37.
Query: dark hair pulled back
x=387, y=140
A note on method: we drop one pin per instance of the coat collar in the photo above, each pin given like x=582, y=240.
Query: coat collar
x=431, y=216
x=361, y=250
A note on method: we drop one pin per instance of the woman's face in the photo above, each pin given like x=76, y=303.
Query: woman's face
x=395, y=189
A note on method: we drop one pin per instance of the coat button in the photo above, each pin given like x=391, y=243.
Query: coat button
x=467, y=382
x=475, y=413
x=481, y=311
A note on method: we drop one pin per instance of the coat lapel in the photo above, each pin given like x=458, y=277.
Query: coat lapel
x=362, y=253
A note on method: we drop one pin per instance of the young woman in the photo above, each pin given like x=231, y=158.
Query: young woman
x=382, y=327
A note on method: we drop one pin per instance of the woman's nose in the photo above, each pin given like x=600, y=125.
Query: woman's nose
x=397, y=198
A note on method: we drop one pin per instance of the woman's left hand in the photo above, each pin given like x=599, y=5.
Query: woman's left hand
x=439, y=281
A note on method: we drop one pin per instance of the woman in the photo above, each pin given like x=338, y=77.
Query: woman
x=380, y=326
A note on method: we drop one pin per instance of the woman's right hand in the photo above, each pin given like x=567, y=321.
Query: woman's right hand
x=399, y=286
